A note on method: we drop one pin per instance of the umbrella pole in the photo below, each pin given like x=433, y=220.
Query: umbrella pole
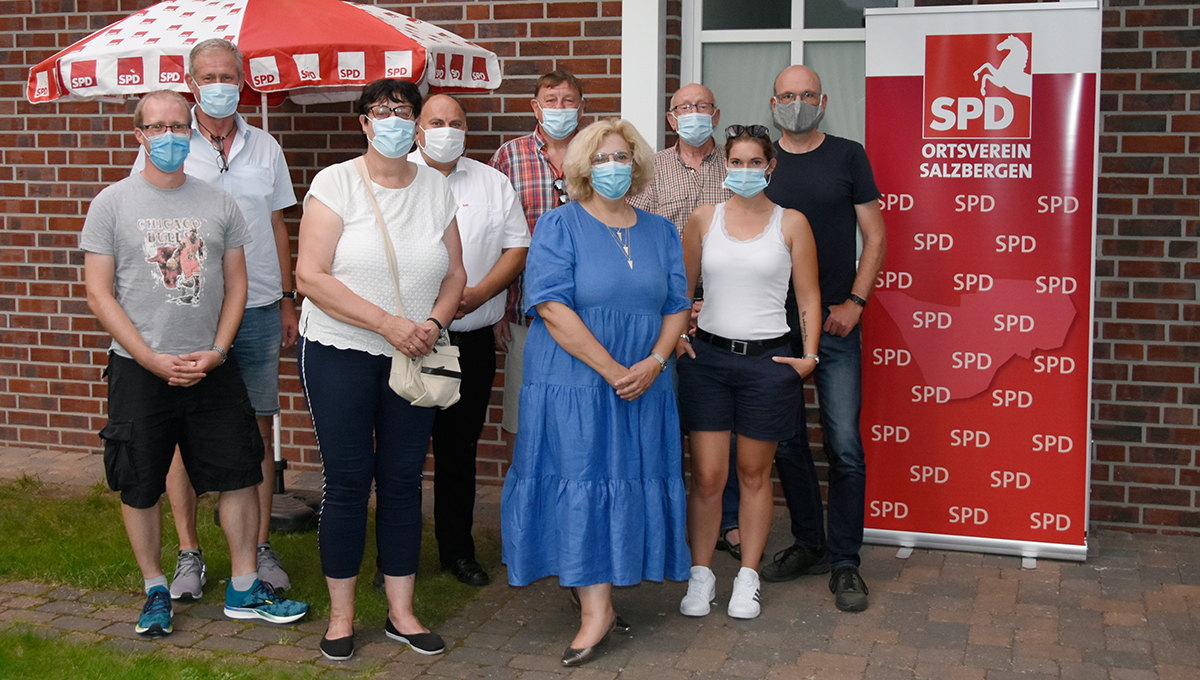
x=265, y=126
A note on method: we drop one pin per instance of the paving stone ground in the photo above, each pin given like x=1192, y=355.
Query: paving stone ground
x=1130, y=612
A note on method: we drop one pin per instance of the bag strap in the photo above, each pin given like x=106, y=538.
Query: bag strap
x=360, y=164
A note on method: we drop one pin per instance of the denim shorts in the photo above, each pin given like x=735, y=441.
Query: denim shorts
x=211, y=422
x=257, y=350
x=752, y=396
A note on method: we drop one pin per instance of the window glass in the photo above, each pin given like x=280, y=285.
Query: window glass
x=843, y=70
x=838, y=13
x=737, y=14
x=742, y=78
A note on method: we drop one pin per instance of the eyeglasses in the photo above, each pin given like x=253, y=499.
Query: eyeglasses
x=789, y=97
x=734, y=131
x=702, y=107
x=560, y=186
x=618, y=156
x=155, y=129
x=382, y=111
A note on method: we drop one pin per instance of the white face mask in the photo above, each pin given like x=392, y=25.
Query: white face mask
x=444, y=144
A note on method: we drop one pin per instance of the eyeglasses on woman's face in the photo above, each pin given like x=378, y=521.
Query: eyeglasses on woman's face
x=618, y=156
x=383, y=111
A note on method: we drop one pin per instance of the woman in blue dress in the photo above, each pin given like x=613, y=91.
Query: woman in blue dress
x=595, y=494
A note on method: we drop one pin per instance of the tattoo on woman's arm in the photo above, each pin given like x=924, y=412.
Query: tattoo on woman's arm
x=804, y=328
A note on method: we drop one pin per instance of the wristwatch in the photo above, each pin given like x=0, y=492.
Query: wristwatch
x=857, y=300
x=662, y=363
x=289, y=294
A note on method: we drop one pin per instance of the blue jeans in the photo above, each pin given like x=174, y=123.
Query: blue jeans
x=256, y=348
x=838, y=380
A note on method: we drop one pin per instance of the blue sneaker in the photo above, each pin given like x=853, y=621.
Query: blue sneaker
x=261, y=602
x=156, y=614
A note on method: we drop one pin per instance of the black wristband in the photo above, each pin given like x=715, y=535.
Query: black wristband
x=436, y=323
x=857, y=300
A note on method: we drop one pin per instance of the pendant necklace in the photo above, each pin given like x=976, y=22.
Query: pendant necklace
x=621, y=236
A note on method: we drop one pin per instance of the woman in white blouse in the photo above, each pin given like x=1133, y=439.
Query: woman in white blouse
x=349, y=328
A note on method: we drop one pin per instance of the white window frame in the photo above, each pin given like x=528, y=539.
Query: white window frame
x=695, y=37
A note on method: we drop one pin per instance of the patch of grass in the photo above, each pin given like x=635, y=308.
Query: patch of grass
x=25, y=655
x=76, y=537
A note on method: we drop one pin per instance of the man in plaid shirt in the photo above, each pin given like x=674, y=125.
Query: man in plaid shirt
x=692, y=172
x=533, y=164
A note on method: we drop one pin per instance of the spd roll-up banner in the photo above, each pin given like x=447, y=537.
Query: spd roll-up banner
x=982, y=132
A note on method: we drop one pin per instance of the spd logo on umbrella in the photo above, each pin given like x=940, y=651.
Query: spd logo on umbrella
x=83, y=74
x=978, y=86
x=170, y=69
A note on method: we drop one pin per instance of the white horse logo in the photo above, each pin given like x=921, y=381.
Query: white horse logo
x=1011, y=73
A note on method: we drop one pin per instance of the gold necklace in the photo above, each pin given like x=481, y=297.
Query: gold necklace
x=621, y=236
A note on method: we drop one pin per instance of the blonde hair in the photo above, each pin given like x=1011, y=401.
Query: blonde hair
x=139, y=113
x=578, y=165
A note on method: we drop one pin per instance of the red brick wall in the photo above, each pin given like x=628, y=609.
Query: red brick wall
x=1147, y=339
x=56, y=157
x=1147, y=347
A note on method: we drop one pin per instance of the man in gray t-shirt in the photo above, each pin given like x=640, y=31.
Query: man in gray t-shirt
x=165, y=274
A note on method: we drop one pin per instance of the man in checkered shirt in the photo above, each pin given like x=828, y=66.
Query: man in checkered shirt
x=533, y=164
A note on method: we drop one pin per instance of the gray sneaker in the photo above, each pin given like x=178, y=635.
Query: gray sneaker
x=270, y=571
x=188, y=583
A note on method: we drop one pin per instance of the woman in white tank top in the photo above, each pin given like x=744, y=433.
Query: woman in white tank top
x=741, y=373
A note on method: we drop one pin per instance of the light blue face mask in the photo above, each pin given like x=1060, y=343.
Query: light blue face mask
x=612, y=179
x=746, y=182
x=694, y=128
x=219, y=100
x=393, y=136
x=559, y=123
x=169, y=150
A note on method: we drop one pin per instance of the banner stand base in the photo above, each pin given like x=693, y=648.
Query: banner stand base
x=1029, y=551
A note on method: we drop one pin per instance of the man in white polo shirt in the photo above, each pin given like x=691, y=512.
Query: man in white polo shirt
x=495, y=239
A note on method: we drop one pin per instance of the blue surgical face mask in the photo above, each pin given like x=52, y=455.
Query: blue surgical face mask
x=559, y=123
x=695, y=128
x=393, y=136
x=612, y=179
x=746, y=182
x=219, y=100
x=169, y=150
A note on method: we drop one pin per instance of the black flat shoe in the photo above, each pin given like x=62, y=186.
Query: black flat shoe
x=619, y=624
x=340, y=649
x=577, y=657
x=422, y=643
x=468, y=571
x=724, y=544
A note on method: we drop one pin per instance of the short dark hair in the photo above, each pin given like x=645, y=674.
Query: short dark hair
x=392, y=90
x=768, y=147
x=558, y=77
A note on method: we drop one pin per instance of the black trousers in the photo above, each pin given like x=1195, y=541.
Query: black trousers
x=456, y=433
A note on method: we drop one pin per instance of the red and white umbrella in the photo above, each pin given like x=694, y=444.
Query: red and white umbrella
x=312, y=50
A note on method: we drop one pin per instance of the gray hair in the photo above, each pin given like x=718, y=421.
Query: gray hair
x=215, y=44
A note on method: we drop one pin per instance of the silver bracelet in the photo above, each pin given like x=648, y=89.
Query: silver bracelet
x=814, y=357
x=662, y=363
x=224, y=356
x=687, y=338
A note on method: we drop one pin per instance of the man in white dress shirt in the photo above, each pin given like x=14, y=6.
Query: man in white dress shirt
x=495, y=239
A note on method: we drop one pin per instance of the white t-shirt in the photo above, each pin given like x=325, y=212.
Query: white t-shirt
x=417, y=217
x=490, y=219
x=259, y=181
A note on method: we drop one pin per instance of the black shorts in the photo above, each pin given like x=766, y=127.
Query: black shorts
x=212, y=423
x=750, y=395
